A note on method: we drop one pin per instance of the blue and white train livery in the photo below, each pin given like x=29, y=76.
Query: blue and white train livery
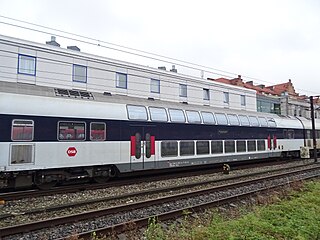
x=52, y=135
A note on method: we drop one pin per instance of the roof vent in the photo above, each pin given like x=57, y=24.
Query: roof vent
x=173, y=69
x=53, y=42
x=184, y=102
x=151, y=98
x=162, y=68
x=107, y=94
x=73, y=93
x=74, y=48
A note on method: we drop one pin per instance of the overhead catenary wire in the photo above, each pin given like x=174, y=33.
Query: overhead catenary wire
x=139, y=53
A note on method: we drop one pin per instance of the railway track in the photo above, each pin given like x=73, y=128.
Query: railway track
x=110, y=219
x=14, y=195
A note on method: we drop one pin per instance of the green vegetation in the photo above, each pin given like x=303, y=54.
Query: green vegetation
x=296, y=216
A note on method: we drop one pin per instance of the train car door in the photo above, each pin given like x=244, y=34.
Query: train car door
x=142, y=147
x=272, y=144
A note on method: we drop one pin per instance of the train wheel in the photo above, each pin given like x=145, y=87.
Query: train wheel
x=101, y=179
x=44, y=182
x=46, y=185
x=103, y=175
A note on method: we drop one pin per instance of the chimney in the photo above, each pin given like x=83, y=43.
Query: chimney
x=53, y=42
x=250, y=83
x=162, y=68
x=74, y=48
x=239, y=76
x=261, y=86
x=174, y=69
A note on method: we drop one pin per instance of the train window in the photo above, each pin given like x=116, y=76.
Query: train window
x=221, y=119
x=186, y=148
x=169, y=148
x=97, y=131
x=308, y=134
x=216, y=147
x=148, y=145
x=241, y=146
x=71, y=131
x=261, y=145
x=193, y=117
x=244, y=120
x=22, y=153
x=208, y=118
x=177, y=115
x=251, y=145
x=138, y=146
x=233, y=119
x=22, y=130
x=285, y=134
x=253, y=121
x=229, y=146
x=202, y=147
x=290, y=134
x=271, y=122
x=318, y=134
x=137, y=112
x=263, y=122
x=158, y=114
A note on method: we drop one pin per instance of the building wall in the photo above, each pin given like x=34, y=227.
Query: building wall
x=54, y=68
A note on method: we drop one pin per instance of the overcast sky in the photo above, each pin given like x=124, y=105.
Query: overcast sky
x=271, y=40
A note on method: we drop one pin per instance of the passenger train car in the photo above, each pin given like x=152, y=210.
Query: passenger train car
x=50, y=135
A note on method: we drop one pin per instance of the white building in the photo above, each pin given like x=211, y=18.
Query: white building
x=50, y=65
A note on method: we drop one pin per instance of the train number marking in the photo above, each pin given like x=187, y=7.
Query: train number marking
x=71, y=151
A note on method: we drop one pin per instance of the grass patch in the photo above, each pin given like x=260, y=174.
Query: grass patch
x=296, y=216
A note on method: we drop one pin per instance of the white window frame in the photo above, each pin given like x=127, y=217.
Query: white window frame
x=206, y=94
x=243, y=100
x=226, y=97
x=183, y=90
x=119, y=82
x=79, y=77
x=27, y=65
x=155, y=86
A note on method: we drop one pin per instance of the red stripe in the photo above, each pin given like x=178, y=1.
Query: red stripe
x=269, y=142
x=274, y=141
x=153, y=145
x=133, y=145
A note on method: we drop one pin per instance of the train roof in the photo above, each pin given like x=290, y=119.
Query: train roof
x=38, y=100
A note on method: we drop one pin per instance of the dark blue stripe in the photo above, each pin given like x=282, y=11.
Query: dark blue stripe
x=46, y=130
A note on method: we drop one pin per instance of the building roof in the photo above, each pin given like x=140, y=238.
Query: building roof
x=275, y=90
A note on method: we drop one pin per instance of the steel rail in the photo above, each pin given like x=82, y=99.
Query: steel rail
x=143, y=204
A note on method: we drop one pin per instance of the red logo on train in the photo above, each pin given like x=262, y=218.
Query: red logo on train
x=71, y=151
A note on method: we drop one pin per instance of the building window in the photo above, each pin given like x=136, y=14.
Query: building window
x=243, y=100
x=27, y=65
x=79, y=73
x=155, y=86
x=206, y=94
x=226, y=97
x=183, y=90
x=121, y=80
